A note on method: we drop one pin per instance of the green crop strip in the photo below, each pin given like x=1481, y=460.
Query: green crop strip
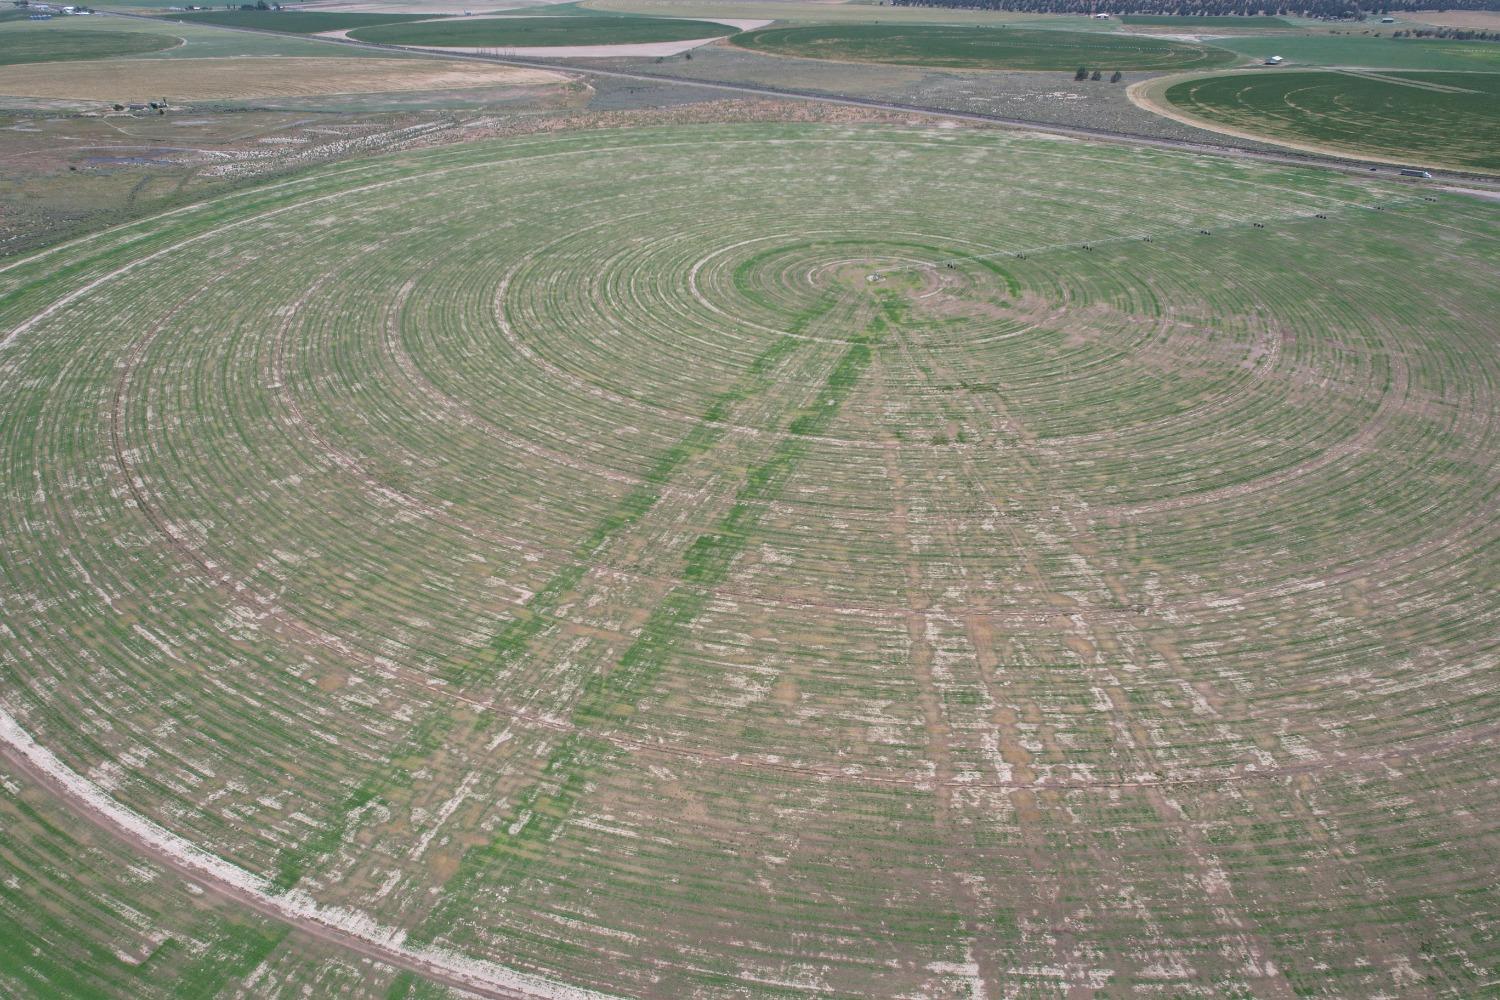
x=538, y=812
x=514, y=639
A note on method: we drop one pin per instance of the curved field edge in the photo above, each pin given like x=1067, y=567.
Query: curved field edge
x=341, y=928
x=1151, y=95
x=999, y=48
x=24, y=45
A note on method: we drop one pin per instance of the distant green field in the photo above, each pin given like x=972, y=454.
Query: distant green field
x=163, y=39
x=297, y=22
x=1174, y=21
x=1431, y=118
x=45, y=42
x=967, y=47
x=1383, y=52
x=503, y=32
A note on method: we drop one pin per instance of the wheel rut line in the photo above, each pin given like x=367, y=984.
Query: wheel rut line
x=1076, y=972
x=935, y=721
x=1128, y=734
x=1120, y=617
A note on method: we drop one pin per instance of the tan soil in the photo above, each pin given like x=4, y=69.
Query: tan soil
x=1456, y=18
x=183, y=80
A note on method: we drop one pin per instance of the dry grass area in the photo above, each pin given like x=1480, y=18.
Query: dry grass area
x=218, y=79
x=1479, y=19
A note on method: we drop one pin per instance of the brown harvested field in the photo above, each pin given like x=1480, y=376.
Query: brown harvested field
x=218, y=79
x=1480, y=19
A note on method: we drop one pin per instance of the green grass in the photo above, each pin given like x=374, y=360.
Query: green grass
x=44, y=42
x=1175, y=21
x=159, y=38
x=543, y=31
x=294, y=21
x=1369, y=51
x=1430, y=118
x=983, y=47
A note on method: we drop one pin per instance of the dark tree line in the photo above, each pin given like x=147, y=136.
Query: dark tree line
x=1456, y=34
x=1329, y=9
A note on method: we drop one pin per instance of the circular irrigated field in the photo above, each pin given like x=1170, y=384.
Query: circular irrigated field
x=557, y=561
x=983, y=47
x=1448, y=119
x=38, y=43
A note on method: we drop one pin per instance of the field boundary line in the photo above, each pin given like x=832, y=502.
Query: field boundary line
x=349, y=929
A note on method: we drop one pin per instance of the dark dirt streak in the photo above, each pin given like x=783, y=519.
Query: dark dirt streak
x=934, y=718
x=1028, y=807
x=1129, y=734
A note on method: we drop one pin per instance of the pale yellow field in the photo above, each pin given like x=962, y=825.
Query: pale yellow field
x=1478, y=19
x=216, y=79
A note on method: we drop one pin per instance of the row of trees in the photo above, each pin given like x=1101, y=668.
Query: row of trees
x=1328, y=9
x=1083, y=74
x=1457, y=34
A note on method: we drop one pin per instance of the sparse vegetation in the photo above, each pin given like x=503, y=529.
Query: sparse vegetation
x=557, y=554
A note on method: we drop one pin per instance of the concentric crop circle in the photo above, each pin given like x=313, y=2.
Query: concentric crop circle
x=760, y=561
